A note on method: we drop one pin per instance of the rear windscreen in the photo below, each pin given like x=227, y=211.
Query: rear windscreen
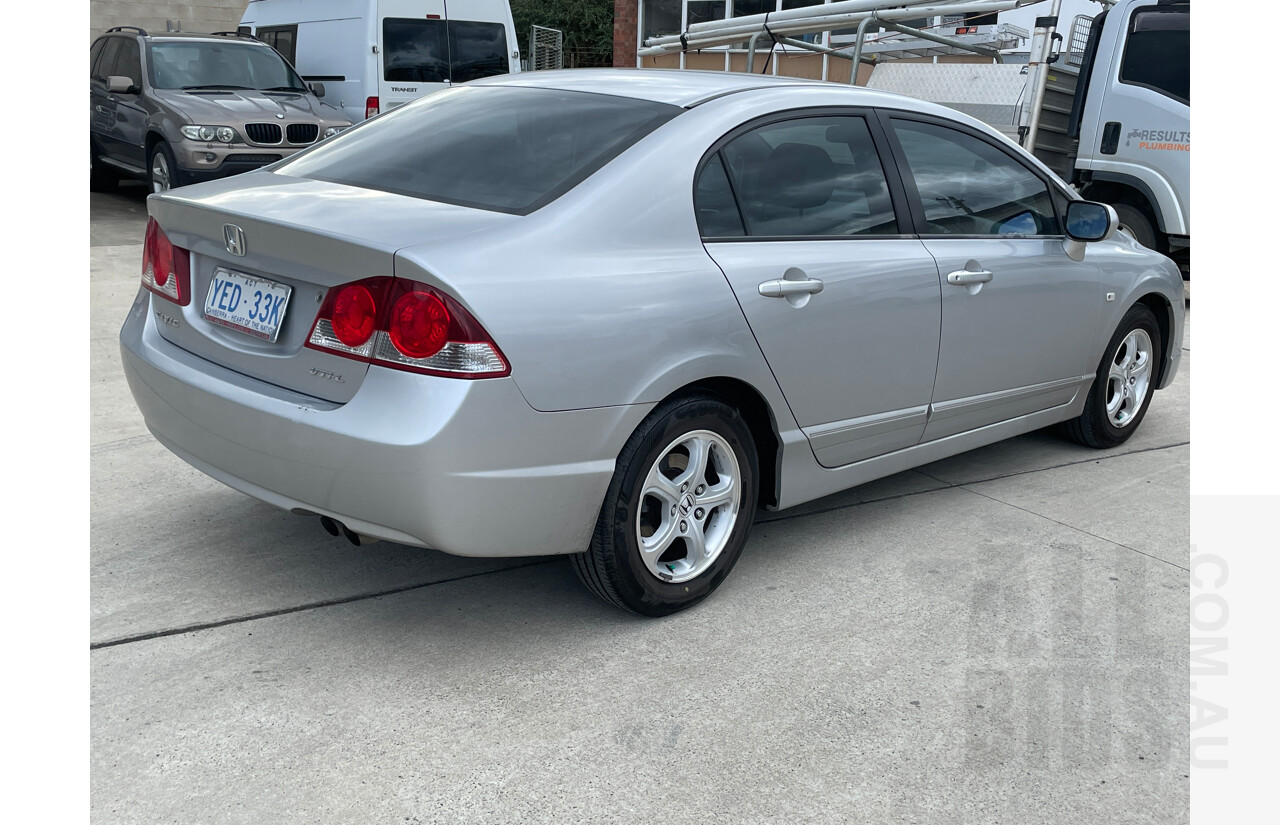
x=433, y=51
x=503, y=148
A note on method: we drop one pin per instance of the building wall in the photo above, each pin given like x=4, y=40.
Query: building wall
x=152, y=15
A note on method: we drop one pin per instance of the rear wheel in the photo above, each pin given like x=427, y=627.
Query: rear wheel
x=678, y=510
x=1124, y=383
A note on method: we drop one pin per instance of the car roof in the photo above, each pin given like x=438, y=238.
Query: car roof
x=678, y=87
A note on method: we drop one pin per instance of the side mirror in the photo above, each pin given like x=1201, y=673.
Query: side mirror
x=1087, y=222
x=117, y=84
x=317, y=88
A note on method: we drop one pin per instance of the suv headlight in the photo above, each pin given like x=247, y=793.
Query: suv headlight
x=223, y=134
x=333, y=130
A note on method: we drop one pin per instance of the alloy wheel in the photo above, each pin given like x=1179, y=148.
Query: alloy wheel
x=689, y=504
x=161, y=180
x=1129, y=378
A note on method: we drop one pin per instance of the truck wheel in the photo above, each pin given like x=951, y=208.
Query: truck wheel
x=1134, y=221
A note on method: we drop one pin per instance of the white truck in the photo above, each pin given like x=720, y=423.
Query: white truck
x=1130, y=120
x=371, y=56
x=1115, y=120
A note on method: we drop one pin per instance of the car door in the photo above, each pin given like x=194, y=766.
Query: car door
x=129, y=129
x=803, y=220
x=1019, y=316
x=102, y=113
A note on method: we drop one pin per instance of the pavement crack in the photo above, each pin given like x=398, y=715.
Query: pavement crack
x=284, y=611
x=1076, y=529
x=120, y=444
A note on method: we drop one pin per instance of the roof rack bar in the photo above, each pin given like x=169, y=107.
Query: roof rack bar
x=142, y=32
x=234, y=34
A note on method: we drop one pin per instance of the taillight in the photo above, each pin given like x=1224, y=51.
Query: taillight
x=370, y=107
x=166, y=269
x=405, y=325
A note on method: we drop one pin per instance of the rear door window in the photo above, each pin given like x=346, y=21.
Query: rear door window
x=476, y=50
x=811, y=177
x=415, y=51
x=433, y=51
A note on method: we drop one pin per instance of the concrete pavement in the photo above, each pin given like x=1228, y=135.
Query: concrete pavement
x=998, y=637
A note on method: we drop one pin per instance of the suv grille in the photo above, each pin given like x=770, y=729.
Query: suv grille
x=268, y=133
x=303, y=132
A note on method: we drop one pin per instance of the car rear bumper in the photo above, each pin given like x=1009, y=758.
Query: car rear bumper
x=466, y=467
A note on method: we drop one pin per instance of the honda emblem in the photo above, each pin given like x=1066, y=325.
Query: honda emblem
x=234, y=237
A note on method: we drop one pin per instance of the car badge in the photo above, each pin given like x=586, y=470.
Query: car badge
x=233, y=236
x=279, y=115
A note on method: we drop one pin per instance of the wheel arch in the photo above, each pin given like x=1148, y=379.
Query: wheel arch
x=757, y=413
x=1163, y=310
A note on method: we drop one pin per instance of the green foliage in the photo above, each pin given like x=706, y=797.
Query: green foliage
x=587, y=27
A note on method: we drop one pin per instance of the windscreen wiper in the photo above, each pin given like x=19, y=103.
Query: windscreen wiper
x=212, y=86
x=293, y=89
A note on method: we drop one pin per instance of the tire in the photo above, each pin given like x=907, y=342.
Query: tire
x=1124, y=383
x=1138, y=224
x=162, y=170
x=669, y=534
x=101, y=179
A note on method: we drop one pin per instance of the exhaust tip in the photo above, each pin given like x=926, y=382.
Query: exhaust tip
x=330, y=526
x=354, y=538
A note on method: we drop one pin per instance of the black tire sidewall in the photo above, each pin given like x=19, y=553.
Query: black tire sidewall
x=1138, y=317
x=638, y=588
x=1142, y=226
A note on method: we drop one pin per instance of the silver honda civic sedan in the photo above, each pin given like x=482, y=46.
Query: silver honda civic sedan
x=610, y=313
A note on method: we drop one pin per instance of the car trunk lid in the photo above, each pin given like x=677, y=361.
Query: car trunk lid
x=303, y=235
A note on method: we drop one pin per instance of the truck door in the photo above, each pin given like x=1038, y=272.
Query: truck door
x=413, y=47
x=1137, y=120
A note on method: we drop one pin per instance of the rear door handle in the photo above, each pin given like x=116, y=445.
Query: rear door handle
x=965, y=277
x=783, y=288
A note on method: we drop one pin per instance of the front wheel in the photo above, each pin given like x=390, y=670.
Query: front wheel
x=1124, y=383
x=162, y=173
x=677, y=512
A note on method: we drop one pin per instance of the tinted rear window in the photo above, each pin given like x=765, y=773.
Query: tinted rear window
x=506, y=149
x=433, y=51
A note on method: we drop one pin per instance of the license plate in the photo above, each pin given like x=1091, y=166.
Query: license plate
x=250, y=304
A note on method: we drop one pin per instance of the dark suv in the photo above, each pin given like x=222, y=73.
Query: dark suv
x=174, y=109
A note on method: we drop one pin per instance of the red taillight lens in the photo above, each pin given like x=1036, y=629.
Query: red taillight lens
x=166, y=269
x=419, y=324
x=370, y=107
x=354, y=313
x=405, y=325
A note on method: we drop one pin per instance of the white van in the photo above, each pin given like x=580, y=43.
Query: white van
x=374, y=55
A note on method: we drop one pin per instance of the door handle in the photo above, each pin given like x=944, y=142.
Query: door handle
x=965, y=277
x=783, y=288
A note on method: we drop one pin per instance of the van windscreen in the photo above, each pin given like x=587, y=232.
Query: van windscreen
x=433, y=51
x=503, y=148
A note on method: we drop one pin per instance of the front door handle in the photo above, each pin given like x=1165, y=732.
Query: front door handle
x=783, y=288
x=965, y=277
